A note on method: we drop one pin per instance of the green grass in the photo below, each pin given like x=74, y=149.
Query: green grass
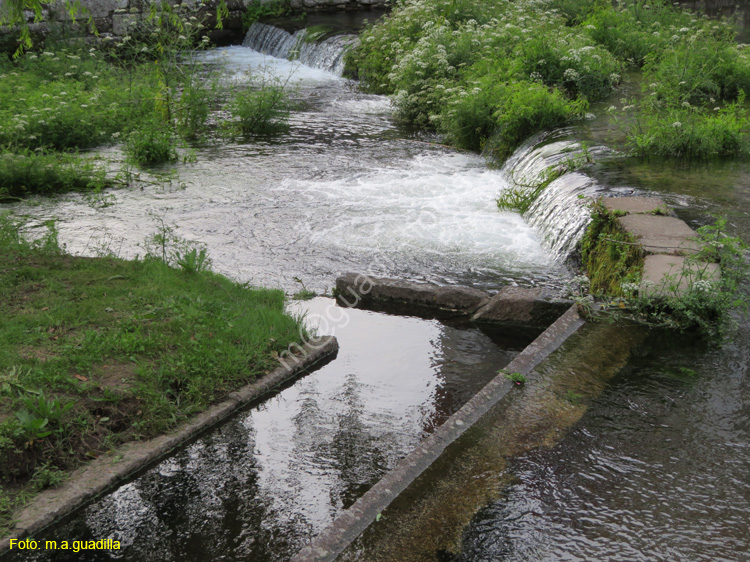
x=98, y=351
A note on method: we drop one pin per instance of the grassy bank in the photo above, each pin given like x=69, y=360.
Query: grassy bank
x=487, y=75
x=98, y=351
x=147, y=92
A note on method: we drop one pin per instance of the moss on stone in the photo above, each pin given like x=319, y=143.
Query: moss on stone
x=609, y=255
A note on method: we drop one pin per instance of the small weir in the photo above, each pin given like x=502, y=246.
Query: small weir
x=560, y=213
x=302, y=45
x=348, y=190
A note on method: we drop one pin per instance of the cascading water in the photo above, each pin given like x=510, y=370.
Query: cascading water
x=301, y=45
x=559, y=213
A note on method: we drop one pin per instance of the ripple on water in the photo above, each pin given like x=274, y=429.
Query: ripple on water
x=656, y=470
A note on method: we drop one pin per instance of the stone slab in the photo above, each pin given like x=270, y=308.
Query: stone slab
x=635, y=205
x=355, y=289
x=661, y=235
x=521, y=306
x=665, y=275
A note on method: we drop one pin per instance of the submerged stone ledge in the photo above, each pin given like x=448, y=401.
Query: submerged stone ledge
x=101, y=475
x=513, y=307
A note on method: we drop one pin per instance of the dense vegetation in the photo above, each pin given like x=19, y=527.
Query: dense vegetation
x=689, y=299
x=145, y=91
x=488, y=74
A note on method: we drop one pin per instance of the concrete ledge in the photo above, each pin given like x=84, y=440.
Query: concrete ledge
x=352, y=522
x=665, y=276
x=357, y=290
x=661, y=235
x=521, y=307
x=636, y=205
x=99, y=476
x=532, y=309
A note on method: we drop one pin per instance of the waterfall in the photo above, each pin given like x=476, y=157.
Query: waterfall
x=301, y=45
x=560, y=213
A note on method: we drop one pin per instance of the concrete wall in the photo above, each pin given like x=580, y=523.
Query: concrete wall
x=115, y=16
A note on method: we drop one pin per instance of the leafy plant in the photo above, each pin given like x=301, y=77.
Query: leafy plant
x=168, y=247
x=193, y=260
x=31, y=428
x=47, y=476
x=152, y=144
x=609, y=255
x=263, y=108
x=49, y=409
x=516, y=378
x=304, y=294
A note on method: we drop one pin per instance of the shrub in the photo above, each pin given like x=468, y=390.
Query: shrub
x=689, y=132
x=263, y=109
x=526, y=108
x=494, y=70
x=698, y=69
x=153, y=143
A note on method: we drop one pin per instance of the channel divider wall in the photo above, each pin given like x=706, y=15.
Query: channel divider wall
x=101, y=475
x=348, y=525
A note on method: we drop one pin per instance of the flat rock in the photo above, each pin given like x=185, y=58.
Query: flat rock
x=636, y=205
x=353, y=289
x=665, y=275
x=520, y=306
x=661, y=235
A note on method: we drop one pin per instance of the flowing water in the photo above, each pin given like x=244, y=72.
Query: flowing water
x=345, y=189
x=655, y=468
x=655, y=471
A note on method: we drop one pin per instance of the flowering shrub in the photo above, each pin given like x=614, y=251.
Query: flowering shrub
x=454, y=66
x=688, y=132
x=449, y=65
x=61, y=100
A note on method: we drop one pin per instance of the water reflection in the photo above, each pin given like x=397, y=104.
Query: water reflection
x=262, y=484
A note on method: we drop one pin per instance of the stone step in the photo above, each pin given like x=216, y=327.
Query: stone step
x=636, y=205
x=674, y=276
x=661, y=235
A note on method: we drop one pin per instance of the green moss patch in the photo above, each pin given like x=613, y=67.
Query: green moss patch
x=610, y=256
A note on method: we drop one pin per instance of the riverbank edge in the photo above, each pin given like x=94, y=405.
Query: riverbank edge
x=101, y=475
x=327, y=546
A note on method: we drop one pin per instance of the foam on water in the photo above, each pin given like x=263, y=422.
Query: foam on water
x=245, y=64
x=342, y=191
